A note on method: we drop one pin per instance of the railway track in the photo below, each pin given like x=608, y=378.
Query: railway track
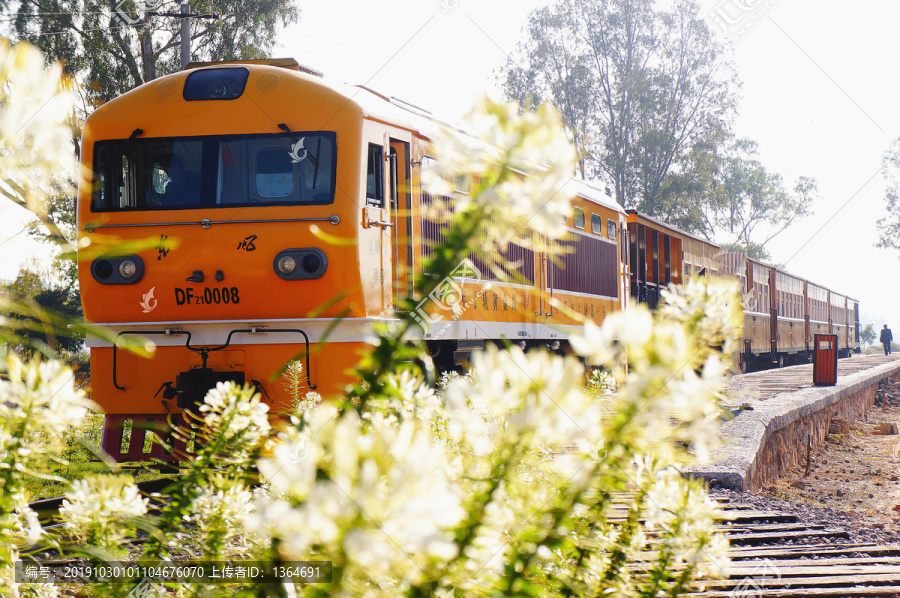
x=775, y=554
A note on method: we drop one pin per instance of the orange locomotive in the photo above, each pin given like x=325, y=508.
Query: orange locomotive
x=243, y=175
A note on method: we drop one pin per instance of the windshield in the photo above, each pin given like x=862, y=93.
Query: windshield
x=212, y=172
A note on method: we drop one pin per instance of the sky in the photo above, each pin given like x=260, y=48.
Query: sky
x=819, y=83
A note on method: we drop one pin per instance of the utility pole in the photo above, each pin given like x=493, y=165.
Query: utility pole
x=147, y=51
x=185, y=16
x=185, y=35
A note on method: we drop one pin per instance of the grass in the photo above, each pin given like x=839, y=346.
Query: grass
x=81, y=457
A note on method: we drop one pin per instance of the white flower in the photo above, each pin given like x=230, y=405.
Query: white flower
x=38, y=404
x=386, y=481
x=291, y=468
x=238, y=415
x=35, y=151
x=536, y=162
x=22, y=525
x=535, y=395
x=99, y=508
x=40, y=394
x=217, y=508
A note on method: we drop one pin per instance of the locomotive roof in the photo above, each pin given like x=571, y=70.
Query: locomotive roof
x=370, y=103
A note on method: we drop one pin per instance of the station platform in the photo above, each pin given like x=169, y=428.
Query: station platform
x=767, y=384
x=779, y=417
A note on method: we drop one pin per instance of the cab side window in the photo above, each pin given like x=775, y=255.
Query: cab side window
x=375, y=177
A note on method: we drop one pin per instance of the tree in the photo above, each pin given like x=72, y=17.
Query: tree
x=638, y=88
x=559, y=74
x=110, y=47
x=37, y=288
x=748, y=204
x=867, y=335
x=889, y=226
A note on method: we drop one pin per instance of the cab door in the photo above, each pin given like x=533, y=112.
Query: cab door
x=400, y=205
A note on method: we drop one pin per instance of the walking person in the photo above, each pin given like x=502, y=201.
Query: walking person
x=886, y=338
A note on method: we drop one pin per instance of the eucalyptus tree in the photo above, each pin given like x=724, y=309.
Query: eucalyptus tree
x=750, y=204
x=638, y=87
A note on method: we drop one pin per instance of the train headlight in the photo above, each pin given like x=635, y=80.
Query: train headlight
x=287, y=264
x=126, y=269
x=216, y=84
x=311, y=261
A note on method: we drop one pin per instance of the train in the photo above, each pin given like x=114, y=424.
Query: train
x=279, y=216
x=782, y=312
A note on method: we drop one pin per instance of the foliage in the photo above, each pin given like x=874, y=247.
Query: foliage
x=503, y=484
x=39, y=291
x=36, y=168
x=34, y=163
x=38, y=404
x=295, y=385
x=889, y=226
x=37, y=171
x=112, y=47
x=34, y=156
x=639, y=88
x=105, y=49
x=60, y=209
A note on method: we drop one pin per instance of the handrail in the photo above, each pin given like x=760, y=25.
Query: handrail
x=206, y=222
x=205, y=350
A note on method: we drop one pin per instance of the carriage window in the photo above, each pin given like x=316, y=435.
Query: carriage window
x=374, y=177
x=611, y=229
x=461, y=183
x=214, y=171
x=579, y=218
x=596, y=224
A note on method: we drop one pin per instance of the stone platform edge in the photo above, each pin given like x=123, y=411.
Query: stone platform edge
x=748, y=441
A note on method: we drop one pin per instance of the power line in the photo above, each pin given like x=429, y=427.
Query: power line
x=186, y=16
x=69, y=12
x=36, y=14
x=110, y=28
